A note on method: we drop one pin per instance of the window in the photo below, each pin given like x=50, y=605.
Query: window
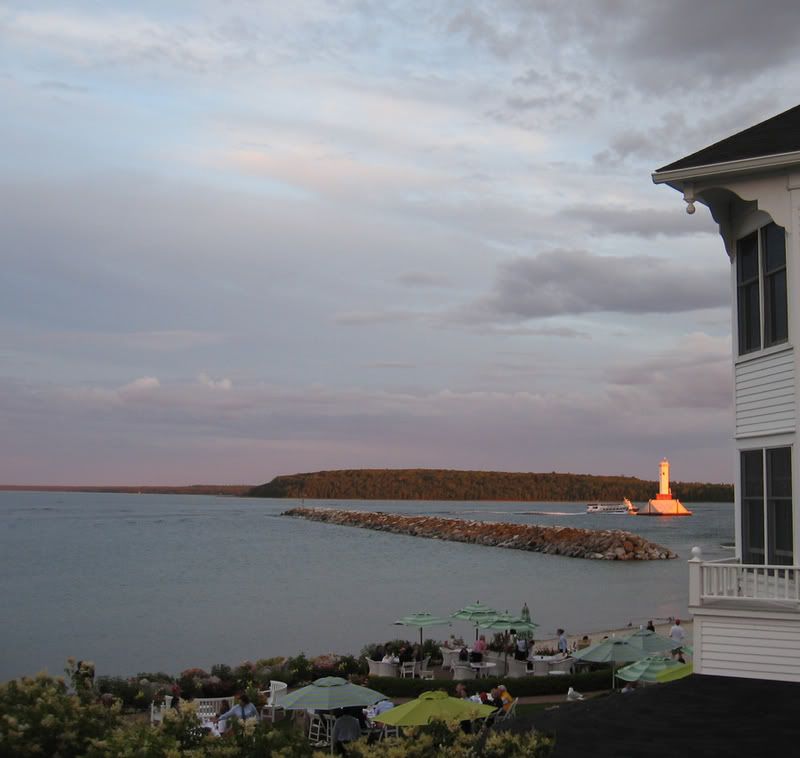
x=767, y=480
x=761, y=279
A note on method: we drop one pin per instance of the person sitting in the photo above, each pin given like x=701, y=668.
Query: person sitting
x=628, y=688
x=406, y=655
x=380, y=707
x=244, y=710
x=505, y=697
x=463, y=654
x=346, y=728
x=390, y=657
x=584, y=642
x=495, y=698
x=461, y=691
x=478, y=649
x=378, y=654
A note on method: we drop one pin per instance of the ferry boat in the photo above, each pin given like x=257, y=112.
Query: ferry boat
x=626, y=506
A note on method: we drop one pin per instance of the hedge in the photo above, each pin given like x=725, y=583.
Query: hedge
x=522, y=687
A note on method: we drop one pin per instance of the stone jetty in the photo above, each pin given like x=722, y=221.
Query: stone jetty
x=606, y=545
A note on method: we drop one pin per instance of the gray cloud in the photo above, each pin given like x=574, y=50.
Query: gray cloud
x=422, y=279
x=638, y=222
x=564, y=282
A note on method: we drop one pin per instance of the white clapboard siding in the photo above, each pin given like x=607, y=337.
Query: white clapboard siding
x=759, y=648
x=765, y=397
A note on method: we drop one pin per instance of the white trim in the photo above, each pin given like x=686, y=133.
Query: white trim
x=753, y=355
x=779, y=160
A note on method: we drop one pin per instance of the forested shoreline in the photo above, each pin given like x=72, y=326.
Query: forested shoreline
x=447, y=484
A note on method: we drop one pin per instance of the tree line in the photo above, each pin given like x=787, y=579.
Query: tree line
x=445, y=484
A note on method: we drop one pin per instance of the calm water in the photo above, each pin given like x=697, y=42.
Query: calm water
x=148, y=582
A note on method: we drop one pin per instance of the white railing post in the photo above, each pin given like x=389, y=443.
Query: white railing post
x=695, y=576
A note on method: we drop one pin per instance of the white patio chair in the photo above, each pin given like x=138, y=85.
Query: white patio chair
x=517, y=669
x=374, y=667
x=408, y=669
x=424, y=672
x=540, y=668
x=562, y=667
x=388, y=669
x=463, y=671
x=276, y=691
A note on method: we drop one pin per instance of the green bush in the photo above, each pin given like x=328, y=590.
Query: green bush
x=40, y=718
x=523, y=687
x=440, y=740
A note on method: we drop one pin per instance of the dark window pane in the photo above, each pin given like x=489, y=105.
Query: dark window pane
x=779, y=506
x=747, y=258
x=773, y=242
x=752, y=470
x=776, y=317
x=749, y=318
x=779, y=472
x=779, y=514
x=753, y=531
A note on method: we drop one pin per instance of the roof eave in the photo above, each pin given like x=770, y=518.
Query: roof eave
x=742, y=166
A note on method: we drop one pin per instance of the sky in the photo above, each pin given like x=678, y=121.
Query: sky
x=242, y=239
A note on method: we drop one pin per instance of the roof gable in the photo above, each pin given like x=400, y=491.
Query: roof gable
x=777, y=135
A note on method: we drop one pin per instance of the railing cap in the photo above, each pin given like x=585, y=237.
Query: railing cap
x=697, y=555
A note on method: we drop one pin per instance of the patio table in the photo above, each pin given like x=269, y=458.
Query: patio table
x=482, y=668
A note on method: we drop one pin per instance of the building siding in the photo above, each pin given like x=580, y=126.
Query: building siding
x=765, y=395
x=758, y=648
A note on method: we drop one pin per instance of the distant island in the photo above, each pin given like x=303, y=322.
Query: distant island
x=230, y=490
x=447, y=484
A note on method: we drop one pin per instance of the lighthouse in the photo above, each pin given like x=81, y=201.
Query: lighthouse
x=663, y=504
x=663, y=480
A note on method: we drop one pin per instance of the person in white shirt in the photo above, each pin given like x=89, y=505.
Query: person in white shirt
x=245, y=710
x=563, y=645
x=677, y=634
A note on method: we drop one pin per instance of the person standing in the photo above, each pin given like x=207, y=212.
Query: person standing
x=563, y=645
x=677, y=634
x=650, y=626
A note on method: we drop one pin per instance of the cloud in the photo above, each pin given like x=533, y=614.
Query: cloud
x=422, y=279
x=366, y=318
x=220, y=384
x=637, y=222
x=562, y=282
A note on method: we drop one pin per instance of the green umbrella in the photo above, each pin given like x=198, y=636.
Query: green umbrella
x=434, y=705
x=329, y=693
x=422, y=620
x=652, y=668
x=525, y=615
x=611, y=650
x=505, y=622
x=650, y=642
x=474, y=613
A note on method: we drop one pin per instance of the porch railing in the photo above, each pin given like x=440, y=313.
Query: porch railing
x=731, y=581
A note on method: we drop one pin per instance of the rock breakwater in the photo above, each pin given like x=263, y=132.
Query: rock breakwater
x=608, y=545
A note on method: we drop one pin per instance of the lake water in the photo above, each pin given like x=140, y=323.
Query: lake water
x=164, y=582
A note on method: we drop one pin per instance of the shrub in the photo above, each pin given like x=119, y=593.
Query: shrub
x=440, y=740
x=40, y=717
x=298, y=670
x=530, y=685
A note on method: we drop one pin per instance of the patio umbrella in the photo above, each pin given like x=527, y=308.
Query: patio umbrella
x=329, y=693
x=649, y=642
x=434, y=705
x=653, y=667
x=474, y=613
x=505, y=622
x=525, y=615
x=423, y=621
x=612, y=650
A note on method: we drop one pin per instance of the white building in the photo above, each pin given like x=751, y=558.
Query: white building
x=747, y=609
